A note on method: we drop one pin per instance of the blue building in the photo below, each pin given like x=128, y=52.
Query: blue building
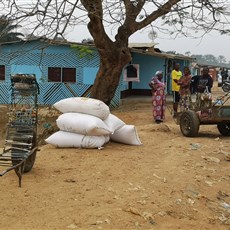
x=65, y=69
x=150, y=60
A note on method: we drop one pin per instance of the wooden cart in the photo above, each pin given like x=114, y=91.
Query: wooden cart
x=20, y=147
x=217, y=114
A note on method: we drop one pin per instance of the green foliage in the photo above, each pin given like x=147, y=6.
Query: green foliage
x=83, y=51
x=210, y=59
x=6, y=28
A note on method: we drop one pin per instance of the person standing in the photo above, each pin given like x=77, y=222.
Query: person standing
x=204, y=86
x=158, y=97
x=176, y=75
x=184, y=92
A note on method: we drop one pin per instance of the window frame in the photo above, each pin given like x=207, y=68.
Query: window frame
x=2, y=72
x=58, y=74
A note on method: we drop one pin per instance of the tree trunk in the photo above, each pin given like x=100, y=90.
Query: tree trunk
x=112, y=62
x=114, y=55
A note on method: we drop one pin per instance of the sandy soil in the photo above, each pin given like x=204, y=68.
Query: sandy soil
x=170, y=182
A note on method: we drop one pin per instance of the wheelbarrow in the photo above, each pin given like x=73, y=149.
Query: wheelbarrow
x=19, y=152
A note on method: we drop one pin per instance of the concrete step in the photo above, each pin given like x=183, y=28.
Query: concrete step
x=142, y=100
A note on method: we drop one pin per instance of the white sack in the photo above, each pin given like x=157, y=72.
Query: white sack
x=82, y=124
x=83, y=105
x=107, y=138
x=113, y=122
x=127, y=134
x=64, y=139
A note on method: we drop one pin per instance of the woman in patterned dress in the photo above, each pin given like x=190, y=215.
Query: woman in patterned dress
x=185, y=94
x=158, y=97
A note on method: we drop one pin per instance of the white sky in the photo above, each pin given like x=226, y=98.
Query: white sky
x=212, y=43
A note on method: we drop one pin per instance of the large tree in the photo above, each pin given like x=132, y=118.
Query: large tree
x=125, y=17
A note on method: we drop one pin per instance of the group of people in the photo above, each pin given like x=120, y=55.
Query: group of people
x=183, y=85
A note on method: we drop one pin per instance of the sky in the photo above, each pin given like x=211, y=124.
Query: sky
x=211, y=43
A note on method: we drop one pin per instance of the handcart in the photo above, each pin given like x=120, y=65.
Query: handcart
x=216, y=114
x=19, y=152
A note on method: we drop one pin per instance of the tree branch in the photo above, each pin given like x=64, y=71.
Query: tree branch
x=95, y=25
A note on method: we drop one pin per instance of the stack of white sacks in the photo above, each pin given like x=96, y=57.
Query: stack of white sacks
x=88, y=123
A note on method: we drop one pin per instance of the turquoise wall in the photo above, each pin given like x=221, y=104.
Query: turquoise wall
x=27, y=69
x=36, y=56
x=148, y=67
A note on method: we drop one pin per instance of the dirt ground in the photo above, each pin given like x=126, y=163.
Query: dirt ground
x=170, y=182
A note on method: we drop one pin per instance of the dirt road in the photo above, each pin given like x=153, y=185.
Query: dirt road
x=170, y=182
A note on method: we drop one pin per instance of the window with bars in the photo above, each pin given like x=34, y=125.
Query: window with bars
x=2, y=73
x=57, y=74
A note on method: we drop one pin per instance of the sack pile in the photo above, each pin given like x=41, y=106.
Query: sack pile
x=88, y=123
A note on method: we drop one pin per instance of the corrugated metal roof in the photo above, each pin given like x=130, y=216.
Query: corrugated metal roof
x=50, y=41
x=142, y=45
x=141, y=48
x=162, y=54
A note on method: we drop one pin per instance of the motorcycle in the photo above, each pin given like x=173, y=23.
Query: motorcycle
x=226, y=86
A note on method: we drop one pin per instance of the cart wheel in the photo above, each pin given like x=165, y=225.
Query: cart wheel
x=30, y=160
x=226, y=88
x=224, y=128
x=189, y=124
